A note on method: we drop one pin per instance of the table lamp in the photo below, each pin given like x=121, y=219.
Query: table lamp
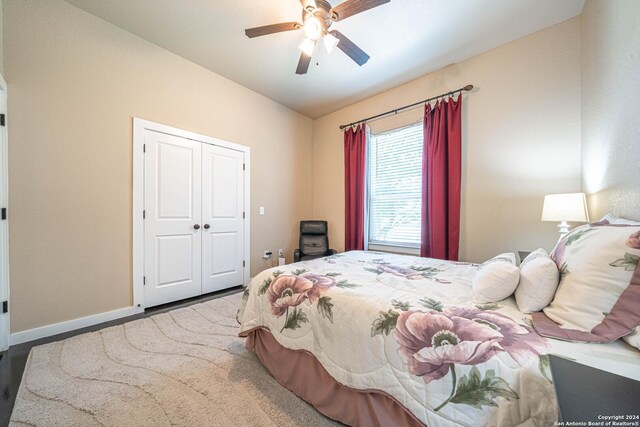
x=565, y=207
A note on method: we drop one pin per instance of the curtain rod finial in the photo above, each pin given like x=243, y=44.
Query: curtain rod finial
x=468, y=87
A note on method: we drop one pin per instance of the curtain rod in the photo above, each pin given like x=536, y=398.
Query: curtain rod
x=377, y=116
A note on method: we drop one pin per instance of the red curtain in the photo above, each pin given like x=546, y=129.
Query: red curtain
x=441, y=180
x=355, y=152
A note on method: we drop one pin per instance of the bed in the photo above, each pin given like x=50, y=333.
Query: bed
x=380, y=339
x=356, y=314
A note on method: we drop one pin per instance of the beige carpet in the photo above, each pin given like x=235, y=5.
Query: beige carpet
x=186, y=367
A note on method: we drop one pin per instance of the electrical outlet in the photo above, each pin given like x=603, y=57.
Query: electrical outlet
x=280, y=253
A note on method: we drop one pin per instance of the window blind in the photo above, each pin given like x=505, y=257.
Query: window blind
x=395, y=186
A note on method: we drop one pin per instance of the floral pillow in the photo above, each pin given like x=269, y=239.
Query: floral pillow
x=539, y=277
x=495, y=279
x=598, y=299
x=612, y=219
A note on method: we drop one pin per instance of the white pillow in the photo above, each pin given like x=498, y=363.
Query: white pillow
x=612, y=219
x=633, y=338
x=539, y=278
x=598, y=299
x=495, y=279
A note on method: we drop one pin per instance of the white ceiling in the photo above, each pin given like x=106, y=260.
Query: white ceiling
x=405, y=39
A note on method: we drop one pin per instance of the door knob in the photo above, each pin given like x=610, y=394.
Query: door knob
x=197, y=226
x=207, y=226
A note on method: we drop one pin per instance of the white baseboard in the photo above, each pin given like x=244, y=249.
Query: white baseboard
x=70, y=325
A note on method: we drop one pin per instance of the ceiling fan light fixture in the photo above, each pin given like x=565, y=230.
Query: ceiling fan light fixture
x=330, y=42
x=307, y=46
x=317, y=18
x=312, y=28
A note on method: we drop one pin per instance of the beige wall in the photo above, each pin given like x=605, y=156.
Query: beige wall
x=521, y=140
x=76, y=82
x=611, y=107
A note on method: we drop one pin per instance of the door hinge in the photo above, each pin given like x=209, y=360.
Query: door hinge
x=5, y=307
x=4, y=213
x=144, y=148
x=144, y=214
x=144, y=280
x=243, y=215
x=244, y=166
x=2, y=120
x=244, y=264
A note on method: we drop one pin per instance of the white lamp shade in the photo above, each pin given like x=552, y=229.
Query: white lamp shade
x=308, y=46
x=565, y=207
x=330, y=42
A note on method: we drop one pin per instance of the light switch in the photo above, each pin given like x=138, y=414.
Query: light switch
x=261, y=210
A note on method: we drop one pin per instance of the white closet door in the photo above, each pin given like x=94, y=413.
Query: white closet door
x=173, y=233
x=222, y=216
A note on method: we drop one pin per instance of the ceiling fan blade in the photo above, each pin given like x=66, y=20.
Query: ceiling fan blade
x=303, y=64
x=350, y=48
x=352, y=7
x=270, y=29
x=308, y=4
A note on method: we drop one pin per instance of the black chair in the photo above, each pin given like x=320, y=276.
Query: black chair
x=314, y=241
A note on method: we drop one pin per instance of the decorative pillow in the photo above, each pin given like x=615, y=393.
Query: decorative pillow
x=598, y=299
x=539, y=277
x=612, y=219
x=633, y=338
x=495, y=279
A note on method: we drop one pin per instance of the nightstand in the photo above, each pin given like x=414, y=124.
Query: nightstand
x=585, y=393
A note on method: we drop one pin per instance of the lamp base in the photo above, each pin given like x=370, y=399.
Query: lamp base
x=563, y=227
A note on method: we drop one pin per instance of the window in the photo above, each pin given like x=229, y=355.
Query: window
x=395, y=187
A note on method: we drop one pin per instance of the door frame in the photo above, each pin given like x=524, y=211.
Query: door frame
x=139, y=128
x=4, y=225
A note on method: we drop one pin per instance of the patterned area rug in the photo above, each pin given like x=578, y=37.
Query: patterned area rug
x=186, y=367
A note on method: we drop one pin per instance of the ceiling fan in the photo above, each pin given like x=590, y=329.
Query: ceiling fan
x=317, y=17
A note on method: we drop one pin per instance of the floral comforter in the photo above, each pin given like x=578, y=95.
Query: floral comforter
x=406, y=326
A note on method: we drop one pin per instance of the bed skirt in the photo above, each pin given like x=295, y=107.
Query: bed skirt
x=300, y=372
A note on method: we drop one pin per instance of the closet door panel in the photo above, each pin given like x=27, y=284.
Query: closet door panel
x=222, y=212
x=173, y=208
